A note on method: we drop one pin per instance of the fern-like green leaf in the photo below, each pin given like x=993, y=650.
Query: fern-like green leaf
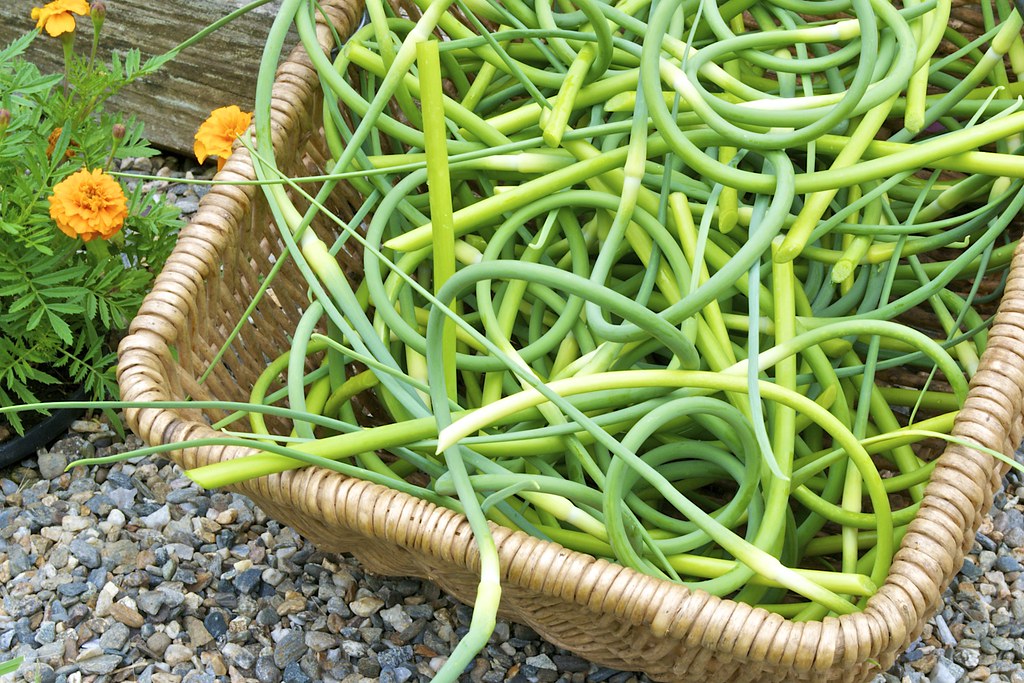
x=62, y=329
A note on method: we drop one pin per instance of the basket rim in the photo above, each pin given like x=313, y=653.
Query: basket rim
x=931, y=553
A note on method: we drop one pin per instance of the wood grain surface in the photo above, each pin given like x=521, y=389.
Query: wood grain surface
x=218, y=71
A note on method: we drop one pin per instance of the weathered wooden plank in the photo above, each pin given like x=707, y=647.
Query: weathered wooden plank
x=219, y=71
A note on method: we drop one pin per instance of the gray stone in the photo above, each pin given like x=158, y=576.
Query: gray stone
x=100, y=505
x=293, y=673
x=570, y=663
x=266, y=671
x=59, y=556
x=368, y=667
x=22, y=605
x=971, y=570
x=396, y=617
x=150, y=602
x=23, y=631
x=272, y=576
x=942, y=628
x=353, y=648
x=199, y=677
x=986, y=560
x=169, y=569
x=946, y=671
x=179, y=496
x=124, y=498
x=290, y=648
x=18, y=560
x=52, y=464
x=239, y=656
x=102, y=664
x=541, y=661
x=1001, y=643
x=87, y=554
x=319, y=641
x=267, y=616
x=72, y=590
x=46, y=632
x=392, y=657
x=158, y=643
x=158, y=519
x=1014, y=538
x=215, y=624
x=1008, y=519
x=1007, y=563
x=115, y=637
x=247, y=581
x=171, y=596
x=6, y=639
x=181, y=551
x=968, y=658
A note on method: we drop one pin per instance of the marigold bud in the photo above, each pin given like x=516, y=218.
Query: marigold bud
x=118, y=131
x=97, y=12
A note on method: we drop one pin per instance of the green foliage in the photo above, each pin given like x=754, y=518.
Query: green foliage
x=11, y=665
x=64, y=302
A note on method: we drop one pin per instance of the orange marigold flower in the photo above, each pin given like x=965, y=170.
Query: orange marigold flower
x=88, y=204
x=52, y=143
x=57, y=16
x=219, y=132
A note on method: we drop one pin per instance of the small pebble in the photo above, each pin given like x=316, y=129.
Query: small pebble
x=85, y=553
x=290, y=648
x=158, y=519
x=127, y=615
x=319, y=641
x=101, y=664
x=215, y=624
x=947, y=671
x=52, y=464
x=158, y=643
x=247, y=581
x=115, y=637
x=198, y=636
x=239, y=656
x=266, y=671
x=396, y=617
x=293, y=673
x=366, y=606
x=177, y=654
x=1006, y=563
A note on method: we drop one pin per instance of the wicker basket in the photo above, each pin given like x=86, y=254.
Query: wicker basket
x=599, y=610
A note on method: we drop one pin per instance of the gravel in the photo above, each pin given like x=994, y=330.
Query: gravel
x=130, y=572
x=128, y=595
x=158, y=590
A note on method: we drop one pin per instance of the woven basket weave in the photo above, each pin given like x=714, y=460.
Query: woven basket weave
x=597, y=609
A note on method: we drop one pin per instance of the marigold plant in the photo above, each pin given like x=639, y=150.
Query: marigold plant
x=218, y=133
x=65, y=296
